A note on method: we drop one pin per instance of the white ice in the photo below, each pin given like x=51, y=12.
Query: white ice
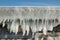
x=4, y=22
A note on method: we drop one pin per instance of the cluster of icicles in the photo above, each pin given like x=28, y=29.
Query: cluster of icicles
x=26, y=24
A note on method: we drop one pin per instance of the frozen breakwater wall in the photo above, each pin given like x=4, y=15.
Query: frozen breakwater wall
x=37, y=18
x=30, y=12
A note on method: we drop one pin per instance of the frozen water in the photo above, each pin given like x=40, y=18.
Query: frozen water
x=28, y=17
x=4, y=22
x=14, y=26
x=23, y=27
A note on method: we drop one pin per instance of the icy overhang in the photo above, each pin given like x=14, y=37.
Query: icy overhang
x=47, y=12
x=44, y=13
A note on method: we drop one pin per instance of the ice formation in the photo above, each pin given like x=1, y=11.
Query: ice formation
x=36, y=18
x=23, y=27
x=4, y=22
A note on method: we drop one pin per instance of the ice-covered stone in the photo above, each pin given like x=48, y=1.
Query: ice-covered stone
x=30, y=14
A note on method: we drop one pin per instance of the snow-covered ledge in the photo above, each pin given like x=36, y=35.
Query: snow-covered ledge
x=36, y=18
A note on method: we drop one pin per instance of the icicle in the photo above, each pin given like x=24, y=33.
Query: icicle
x=40, y=25
x=23, y=27
x=27, y=26
x=44, y=29
x=51, y=27
x=14, y=26
x=17, y=22
x=9, y=22
x=55, y=22
x=37, y=25
x=33, y=28
x=3, y=22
